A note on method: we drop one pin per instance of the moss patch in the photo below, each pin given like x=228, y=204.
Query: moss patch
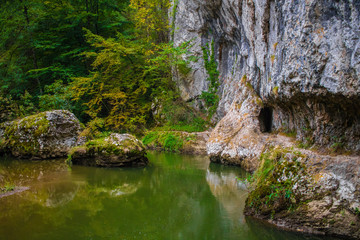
x=280, y=171
x=22, y=136
x=167, y=141
x=8, y=187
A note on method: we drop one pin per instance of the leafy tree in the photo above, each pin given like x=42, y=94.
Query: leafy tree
x=126, y=79
x=151, y=19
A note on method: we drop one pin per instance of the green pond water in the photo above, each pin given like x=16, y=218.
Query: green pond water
x=175, y=197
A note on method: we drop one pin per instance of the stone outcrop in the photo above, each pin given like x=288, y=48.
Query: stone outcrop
x=306, y=191
x=45, y=135
x=117, y=150
x=285, y=66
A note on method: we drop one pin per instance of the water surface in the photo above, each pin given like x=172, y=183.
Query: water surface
x=175, y=197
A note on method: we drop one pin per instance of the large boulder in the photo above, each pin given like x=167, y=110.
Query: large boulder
x=300, y=189
x=117, y=150
x=45, y=135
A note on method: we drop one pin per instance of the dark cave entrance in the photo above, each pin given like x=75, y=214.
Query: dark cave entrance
x=266, y=119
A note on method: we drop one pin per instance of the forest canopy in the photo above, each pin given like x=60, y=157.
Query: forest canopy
x=108, y=61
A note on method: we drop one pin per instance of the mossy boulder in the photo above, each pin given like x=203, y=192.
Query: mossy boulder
x=279, y=182
x=45, y=135
x=117, y=150
x=305, y=191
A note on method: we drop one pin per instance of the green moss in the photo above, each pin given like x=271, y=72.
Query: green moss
x=150, y=137
x=8, y=187
x=196, y=125
x=167, y=140
x=22, y=135
x=173, y=143
x=274, y=181
x=102, y=146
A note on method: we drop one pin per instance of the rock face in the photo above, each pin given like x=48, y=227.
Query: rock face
x=302, y=58
x=45, y=135
x=117, y=150
x=285, y=66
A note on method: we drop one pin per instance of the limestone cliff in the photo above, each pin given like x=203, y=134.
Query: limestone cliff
x=285, y=66
x=302, y=58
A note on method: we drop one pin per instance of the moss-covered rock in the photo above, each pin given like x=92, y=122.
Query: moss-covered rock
x=45, y=135
x=277, y=181
x=117, y=150
x=304, y=191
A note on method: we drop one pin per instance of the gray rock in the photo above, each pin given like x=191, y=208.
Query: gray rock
x=45, y=135
x=117, y=150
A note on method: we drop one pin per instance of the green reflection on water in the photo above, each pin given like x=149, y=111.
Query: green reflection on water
x=175, y=197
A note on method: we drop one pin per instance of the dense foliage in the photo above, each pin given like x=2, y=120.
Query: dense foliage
x=108, y=61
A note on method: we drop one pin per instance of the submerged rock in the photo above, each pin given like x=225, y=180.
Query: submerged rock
x=117, y=150
x=45, y=135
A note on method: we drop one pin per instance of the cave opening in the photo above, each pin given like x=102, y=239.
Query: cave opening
x=266, y=119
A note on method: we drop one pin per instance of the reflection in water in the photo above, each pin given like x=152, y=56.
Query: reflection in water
x=175, y=197
x=226, y=188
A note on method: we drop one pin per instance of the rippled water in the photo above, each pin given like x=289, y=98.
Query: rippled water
x=175, y=197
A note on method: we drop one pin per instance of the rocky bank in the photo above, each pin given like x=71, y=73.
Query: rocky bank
x=285, y=66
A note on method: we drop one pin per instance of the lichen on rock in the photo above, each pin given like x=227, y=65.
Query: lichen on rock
x=117, y=150
x=45, y=135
